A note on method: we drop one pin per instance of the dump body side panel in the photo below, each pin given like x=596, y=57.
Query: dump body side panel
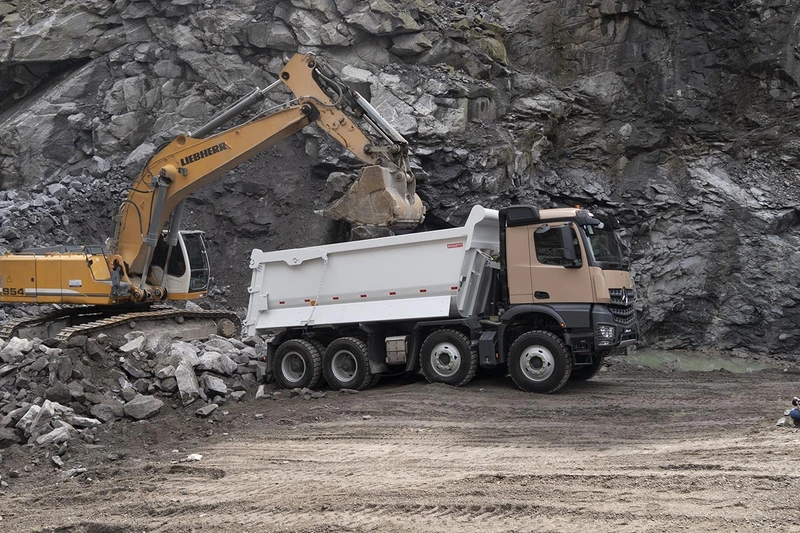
x=393, y=278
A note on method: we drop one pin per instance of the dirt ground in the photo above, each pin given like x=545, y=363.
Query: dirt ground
x=633, y=450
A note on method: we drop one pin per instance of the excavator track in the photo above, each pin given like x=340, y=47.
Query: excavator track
x=228, y=323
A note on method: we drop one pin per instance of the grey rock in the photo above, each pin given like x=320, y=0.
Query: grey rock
x=27, y=419
x=187, y=383
x=8, y=437
x=184, y=352
x=220, y=345
x=84, y=422
x=133, y=369
x=76, y=391
x=128, y=393
x=94, y=350
x=206, y=410
x=168, y=385
x=260, y=393
x=134, y=345
x=142, y=407
x=214, y=385
x=15, y=349
x=59, y=392
x=57, y=436
x=216, y=362
x=104, y=412
x=237, y=395
x=166, y=372
x=41, y=422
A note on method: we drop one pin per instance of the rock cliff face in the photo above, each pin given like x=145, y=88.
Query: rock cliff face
x=679, y=116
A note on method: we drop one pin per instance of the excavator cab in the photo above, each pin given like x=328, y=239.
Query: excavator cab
x=187, y=272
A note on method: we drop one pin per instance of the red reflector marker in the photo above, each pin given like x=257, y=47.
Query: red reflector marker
x=307, y=300
x=453, y=288
x=281, y=303
x=392, y=293
x=335, y=297
x=363, y=295
x=423, y=290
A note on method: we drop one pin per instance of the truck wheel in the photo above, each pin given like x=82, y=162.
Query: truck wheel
x=297, y=363
x=539, y=361
x=447, y=356
x=584, y=373
x=346, y=364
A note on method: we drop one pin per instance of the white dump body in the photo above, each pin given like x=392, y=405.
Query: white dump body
x=432, y=274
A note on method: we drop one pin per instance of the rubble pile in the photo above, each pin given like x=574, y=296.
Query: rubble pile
x=53, y=391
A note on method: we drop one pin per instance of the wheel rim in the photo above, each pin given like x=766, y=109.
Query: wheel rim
x=445, y=359
x=344, y=365
x=537, y=363
x=293, y=367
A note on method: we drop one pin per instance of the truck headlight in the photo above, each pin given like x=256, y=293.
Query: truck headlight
x=605, y=334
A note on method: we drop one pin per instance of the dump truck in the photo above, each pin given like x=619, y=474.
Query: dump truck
x=543, y=293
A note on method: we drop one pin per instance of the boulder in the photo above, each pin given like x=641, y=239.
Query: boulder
x=15, y=349
x=187, y=383
x=8, y=437
x=214, y=386
x=59, y=392
x=57, y=436
x=217, y=363
x=142, y=407
x=134, y=345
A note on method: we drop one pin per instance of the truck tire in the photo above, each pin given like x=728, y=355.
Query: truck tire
x=346, y=364
x=587, y=372
x=539, y=361
x=447, y=356
x=297, y=363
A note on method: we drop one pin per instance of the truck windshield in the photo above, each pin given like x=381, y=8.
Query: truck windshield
x=604, y=248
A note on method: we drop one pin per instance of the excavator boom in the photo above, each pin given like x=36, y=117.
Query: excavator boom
x=150, y=259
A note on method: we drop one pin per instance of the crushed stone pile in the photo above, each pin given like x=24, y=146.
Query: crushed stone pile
x=53, y=391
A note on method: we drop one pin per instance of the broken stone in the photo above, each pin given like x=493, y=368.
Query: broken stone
x=237, y=396
x=142, y=407
x=166, y=372
x=134, y=371
x=218, y=344
x=57, y=461
x=41, y=423
x=168, y=385
x=58, y=393
x=214, y=385
x=187, y=383
x=260, y=393
x=57, y=436
x=206, y=410
x=8, y=437
x=94, y=350
x=217, y=363
x=128, y=393
x=84, y=422
x=27, y=419
x=143, y=386
x=104, y=412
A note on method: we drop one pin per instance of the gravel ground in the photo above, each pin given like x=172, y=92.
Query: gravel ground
x=633, y=450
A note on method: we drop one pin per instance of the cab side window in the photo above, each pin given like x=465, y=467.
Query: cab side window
x=548, y=248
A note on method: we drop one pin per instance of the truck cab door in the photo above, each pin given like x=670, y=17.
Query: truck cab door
x=557, y=278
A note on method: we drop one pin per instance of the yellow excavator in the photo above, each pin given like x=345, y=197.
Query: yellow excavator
x=150, y=259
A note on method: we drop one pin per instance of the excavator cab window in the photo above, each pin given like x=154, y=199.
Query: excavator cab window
x=177, y=264
x=195, y=246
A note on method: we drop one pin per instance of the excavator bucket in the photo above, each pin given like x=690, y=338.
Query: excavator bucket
x=380, y=197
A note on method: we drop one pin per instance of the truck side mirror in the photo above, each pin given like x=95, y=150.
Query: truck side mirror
x=567, y=245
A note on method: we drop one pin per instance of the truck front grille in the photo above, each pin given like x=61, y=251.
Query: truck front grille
x=622, y=296
x=623, y=314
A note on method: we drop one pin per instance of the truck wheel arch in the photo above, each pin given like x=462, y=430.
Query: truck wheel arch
x=526, y=316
